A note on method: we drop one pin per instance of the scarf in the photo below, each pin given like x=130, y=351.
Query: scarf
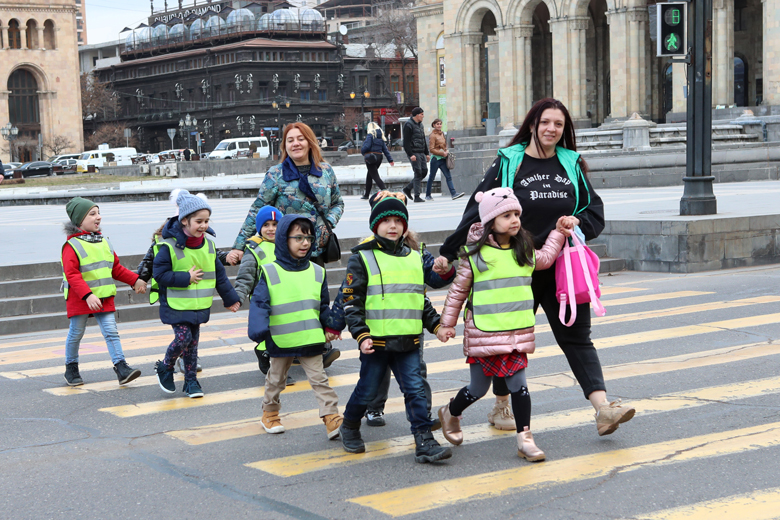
x=290, y=173
x=91, y=237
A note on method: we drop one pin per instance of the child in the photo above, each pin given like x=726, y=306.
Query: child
x=494, y=278
x=146, y=265
x=187, y=271
x=337, y=321
x=386, y=314
x=287, y=313
x=90, y=266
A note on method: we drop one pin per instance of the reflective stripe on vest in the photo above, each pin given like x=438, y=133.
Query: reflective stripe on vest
x=501, y=298
x=154, y=287
x=196, y=296
x=295, y=305
x=395, y=295
x=264, y=254
x=96, y=263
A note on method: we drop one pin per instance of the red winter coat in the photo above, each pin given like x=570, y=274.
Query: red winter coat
x=78, y=290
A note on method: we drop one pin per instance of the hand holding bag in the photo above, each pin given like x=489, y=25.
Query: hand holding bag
x=331, y=252
x=450, y=160
x=577, y=279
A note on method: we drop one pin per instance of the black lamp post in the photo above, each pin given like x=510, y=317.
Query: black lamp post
x=366, y=95
x=188, y=124
x=277, y=104
x=10, y=133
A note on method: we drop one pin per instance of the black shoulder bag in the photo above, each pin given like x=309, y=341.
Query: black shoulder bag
x=331, y=251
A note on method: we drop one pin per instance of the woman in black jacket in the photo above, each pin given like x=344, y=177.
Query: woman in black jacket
x=373, y=148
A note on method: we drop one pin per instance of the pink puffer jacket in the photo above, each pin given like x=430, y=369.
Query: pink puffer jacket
x=477, y=343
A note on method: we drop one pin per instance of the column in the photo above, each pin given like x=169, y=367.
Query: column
x=618, y=63
x=40, y=39
x=723, y=53
x=457, y=76
x=529, y=84
x=636, y=74
x=642, y=21
x=23, y=36
x=679, y=83
x=476, y=94
x=577, y=77
x=522, y=38
x=771, y=62
x=4, y=28
x=561, y=60
x=508, y=91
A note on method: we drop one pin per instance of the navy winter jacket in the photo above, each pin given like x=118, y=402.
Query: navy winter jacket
x=376, y=145
x=166, y=277
x=260, y=307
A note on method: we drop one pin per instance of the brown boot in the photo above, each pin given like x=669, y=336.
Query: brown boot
x=450, y=426
x=332, y=423
x=272, y=423
x=526, y=447
x=611, y=415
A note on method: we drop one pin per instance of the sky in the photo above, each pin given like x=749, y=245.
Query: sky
x=106, y=18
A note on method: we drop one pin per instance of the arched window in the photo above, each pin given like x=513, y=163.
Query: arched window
x=32, y=34
x=48, y=35
x=23, y=98
x=740, y=82
x=14, y=36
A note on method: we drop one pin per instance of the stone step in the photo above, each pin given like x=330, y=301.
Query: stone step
x=611, y=265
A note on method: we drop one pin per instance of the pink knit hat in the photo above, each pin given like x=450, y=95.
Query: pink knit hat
x=496, y=202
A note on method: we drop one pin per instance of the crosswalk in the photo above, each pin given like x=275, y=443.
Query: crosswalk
x=681, y=353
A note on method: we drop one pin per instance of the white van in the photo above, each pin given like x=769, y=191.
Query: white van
x=100, y=158
x=229, y=148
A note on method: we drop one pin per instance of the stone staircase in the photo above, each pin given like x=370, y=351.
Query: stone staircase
x=31, y=300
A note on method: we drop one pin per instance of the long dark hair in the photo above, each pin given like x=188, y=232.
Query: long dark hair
x=522, y=244
x=529, y=130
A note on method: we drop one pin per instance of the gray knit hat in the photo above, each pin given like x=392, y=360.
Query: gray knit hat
x=189, y=204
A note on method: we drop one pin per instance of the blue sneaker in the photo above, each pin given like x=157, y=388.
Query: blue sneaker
x=165, y=377
x=192, y=389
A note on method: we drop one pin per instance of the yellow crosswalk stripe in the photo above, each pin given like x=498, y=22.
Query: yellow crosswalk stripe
x=605, y=291
x=400, y=446
x=223, y=431
x=425, y=497
x=758, y=505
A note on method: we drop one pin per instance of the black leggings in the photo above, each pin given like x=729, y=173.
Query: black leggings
x=372, y=174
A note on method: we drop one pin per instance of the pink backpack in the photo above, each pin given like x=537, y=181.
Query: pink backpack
x=577, y=279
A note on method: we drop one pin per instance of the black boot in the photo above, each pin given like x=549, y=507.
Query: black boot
x=124, y=373
x=72, y=374
x=428, y=450
x=351, y=439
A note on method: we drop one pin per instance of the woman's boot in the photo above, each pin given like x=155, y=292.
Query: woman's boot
x=527, y=448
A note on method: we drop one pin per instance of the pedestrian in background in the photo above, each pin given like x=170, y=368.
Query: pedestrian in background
x=416, y=148
x=187, y=271
x=373, y=148
x=494, y=276
x=437, y=144
x=287, y=315
x=90, y=267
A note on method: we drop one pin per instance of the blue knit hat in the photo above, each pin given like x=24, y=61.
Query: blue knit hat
x=189, y=204
x=265, y=214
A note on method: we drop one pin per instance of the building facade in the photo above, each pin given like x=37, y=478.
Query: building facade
x=486, y=60
x=40, y=91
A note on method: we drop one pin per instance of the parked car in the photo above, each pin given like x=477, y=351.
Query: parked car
x=347, y=145
x=35, y=169
x=8, y=172
x=397, y=144
x=68, y=166
x=58, y=158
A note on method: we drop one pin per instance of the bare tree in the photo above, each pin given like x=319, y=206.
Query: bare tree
x=97, y=97
x=112, y=134
x=58, y=144
x=346, y=122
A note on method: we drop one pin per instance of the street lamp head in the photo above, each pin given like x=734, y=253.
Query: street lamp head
x=287, y=104
x=181, y=123
x=366, y=94
x=351, y=95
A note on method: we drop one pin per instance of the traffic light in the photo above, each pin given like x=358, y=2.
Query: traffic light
x=672, y=26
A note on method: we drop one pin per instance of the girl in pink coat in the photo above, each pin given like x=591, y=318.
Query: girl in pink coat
x=494, y=279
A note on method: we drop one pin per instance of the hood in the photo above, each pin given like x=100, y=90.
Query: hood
x=70, y=229
x=173, y=229
x=281, y=251
x=475, y=234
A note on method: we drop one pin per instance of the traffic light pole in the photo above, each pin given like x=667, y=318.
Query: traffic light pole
x=698, y=197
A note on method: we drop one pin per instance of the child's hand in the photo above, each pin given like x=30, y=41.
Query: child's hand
x=441, y=265
x=139, y=287
x=332, y=337
x=445, y=333
x=367, y=347
x=235, y=307
x=234, y=256
x=94, y=303
x=196, y=274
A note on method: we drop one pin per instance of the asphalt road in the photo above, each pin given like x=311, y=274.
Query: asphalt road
x=696, y=355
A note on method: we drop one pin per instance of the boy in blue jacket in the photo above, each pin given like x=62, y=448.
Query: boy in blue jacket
x=287, y=313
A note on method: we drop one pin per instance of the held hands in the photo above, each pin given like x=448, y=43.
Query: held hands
x=196, y=274
x=441, y=265
x=235, y=307
x=445, y=333
x=566, y=225
x=367, y=347
x=234, y=256
x=332, y=337
x=139, y=287
x=94, y=303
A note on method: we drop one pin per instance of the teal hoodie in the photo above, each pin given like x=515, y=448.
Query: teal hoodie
x=512, y=157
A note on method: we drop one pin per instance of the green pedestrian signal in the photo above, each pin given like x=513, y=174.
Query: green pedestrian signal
x=671, y=25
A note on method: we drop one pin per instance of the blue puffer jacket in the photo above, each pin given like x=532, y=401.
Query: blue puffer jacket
x=260, y=307
x=376, y=145
x=166, y=277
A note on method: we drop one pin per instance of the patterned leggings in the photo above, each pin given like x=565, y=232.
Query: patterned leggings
x=184, y=345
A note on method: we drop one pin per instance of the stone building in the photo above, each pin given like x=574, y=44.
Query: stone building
x=484, y=62
x=40, y=91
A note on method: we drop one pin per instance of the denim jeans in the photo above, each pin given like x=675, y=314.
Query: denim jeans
x=439, y=164
x=406, y=369
x=378, y=404
x=107, y=323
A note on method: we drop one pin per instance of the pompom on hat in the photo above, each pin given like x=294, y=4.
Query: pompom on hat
x=496, y=202
x=189, y=203
x=387, y=206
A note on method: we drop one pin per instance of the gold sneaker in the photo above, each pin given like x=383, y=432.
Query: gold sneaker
x=272, y=423
x=611, y=415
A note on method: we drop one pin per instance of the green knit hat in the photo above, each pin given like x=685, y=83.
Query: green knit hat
x=387, y=206
x=77, y=209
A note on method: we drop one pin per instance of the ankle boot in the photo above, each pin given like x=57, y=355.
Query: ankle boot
x=72, y=376
x=125, y=373
x=450, y=426
x=350, y=438
x=526, y=447
x=428, y=449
